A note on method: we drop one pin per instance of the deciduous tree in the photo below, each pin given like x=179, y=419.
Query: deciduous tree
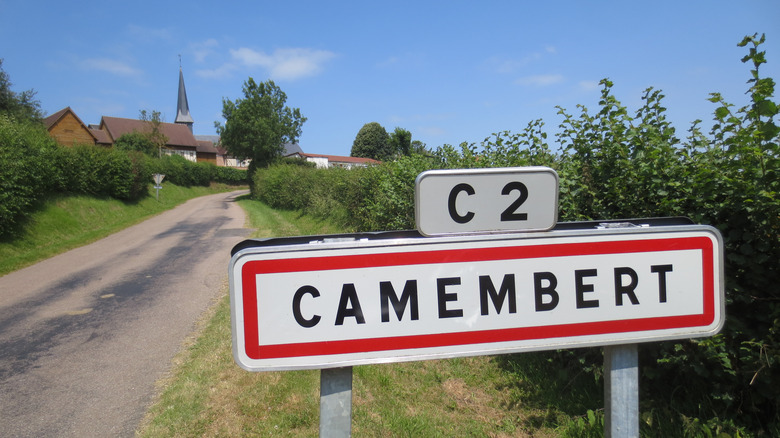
x=257, y=126
x=372, y=141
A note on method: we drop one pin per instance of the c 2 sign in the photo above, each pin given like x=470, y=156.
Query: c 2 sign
x=486, y=200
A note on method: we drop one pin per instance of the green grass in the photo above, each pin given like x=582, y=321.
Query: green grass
x=65, y=222
x=209, y=395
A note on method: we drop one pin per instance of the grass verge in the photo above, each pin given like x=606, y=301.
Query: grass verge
x=65, y=222
x=208, y=395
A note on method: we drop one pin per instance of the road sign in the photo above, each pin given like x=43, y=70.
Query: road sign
x=486, y=200
x=332, y=304
x=158, y=178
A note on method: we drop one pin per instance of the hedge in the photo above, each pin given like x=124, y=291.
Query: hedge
x=615, y=164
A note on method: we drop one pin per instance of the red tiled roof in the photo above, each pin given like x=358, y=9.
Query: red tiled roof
x=178, y=135
x=340, y=159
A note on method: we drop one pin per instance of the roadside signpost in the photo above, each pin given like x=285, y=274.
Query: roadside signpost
x=331, y=303
x=158, y=178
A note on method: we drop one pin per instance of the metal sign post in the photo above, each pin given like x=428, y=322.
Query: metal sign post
x=336, y=402
x=621, y=391
x=158, y=178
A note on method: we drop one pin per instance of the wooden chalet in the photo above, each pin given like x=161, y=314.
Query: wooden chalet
x=68, y=129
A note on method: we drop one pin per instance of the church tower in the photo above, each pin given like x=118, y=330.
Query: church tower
x=182, y=107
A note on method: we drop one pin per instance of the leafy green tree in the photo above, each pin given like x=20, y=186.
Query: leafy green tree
x=154, y=135
x=418, y=147
x=18, y=105
x=372, y=141
x=257, y=126
x=136, y=141
x=401, y=142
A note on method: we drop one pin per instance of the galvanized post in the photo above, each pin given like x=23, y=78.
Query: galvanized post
x=336, y=402
x=621, y=391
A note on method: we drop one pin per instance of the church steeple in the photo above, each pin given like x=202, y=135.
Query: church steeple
x=182, y=107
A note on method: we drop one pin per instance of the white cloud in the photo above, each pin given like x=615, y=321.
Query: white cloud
x=588, y=85
x=284, y=63
x=540, y=80
x=203, y=49
x=222, y=71
x=111, y=66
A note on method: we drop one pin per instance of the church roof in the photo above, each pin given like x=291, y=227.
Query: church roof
x=178, y=135
x=182, y=106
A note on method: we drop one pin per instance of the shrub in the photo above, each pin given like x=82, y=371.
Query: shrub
x=27, y=172
x=99, y=171
x=616, y=165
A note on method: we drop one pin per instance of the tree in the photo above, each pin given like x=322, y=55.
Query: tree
x=136, y=141
x=419, y=147
x=401, y=142
x=257, y=126
x=372, y=141
x=18, y=105
x=155, y=135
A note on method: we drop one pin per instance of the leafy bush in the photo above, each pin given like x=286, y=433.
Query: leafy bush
x=99, y=171
x=227, y=175
x=180, y=171
x=613, y=164
x=27, y=172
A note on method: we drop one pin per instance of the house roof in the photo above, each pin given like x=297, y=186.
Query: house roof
x=178, y=135
x=52, y=119
x=207, y=147
x=100, y=135
x=292, y=148
x=56, y=117
x=338, y=158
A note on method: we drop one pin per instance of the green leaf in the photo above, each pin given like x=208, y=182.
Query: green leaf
x=766, y=108
x=721, y=113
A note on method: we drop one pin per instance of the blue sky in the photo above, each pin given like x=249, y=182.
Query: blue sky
x=448, y=71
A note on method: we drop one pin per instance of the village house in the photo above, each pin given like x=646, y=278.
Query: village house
x=326, y=161
x=69, y=130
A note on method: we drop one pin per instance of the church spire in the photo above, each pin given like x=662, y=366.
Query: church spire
x=183, y=108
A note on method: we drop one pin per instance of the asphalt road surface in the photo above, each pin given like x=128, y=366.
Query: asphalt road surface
x=85, y=335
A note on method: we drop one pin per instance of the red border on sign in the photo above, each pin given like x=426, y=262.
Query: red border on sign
x=252, y=268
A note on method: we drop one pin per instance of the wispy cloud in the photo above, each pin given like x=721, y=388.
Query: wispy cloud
x=540, y=80
x=283, y=64
x=201, y=50
x=220, y=72
x=588, y=85
x=112, y=66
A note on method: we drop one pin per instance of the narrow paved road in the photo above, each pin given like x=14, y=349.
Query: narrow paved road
x=85, y=335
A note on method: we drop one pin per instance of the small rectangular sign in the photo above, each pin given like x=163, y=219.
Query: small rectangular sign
x=322, y=305
x=486, y=200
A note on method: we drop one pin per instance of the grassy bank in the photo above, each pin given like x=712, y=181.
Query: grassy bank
x=66, y=222
x=209, y=395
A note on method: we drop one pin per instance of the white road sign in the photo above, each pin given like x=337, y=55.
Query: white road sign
x=486, y=200
x=322, y=305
